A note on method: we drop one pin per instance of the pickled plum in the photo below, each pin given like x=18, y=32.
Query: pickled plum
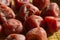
x=19, y=3
x=27, y=10
x=53, y=24
x=32, y=22
x=5, y=13
x=51, y=10
x=41, y=4
x=36, y=34
x=15, y=37
x=12, y=26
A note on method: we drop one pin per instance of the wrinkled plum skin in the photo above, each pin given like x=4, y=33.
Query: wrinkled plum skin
x=12, y=26
x=19, y=3
x=32, y=22
x=15, y=37
x=36, y=34
x=5, y=13
x=27, y=10
x=50, y=10
x=41, y=4
x=52, y=24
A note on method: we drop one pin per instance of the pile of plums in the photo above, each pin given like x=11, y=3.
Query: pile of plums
x=25, y=20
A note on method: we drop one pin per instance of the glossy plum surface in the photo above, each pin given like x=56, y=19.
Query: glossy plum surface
x=53, y=24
